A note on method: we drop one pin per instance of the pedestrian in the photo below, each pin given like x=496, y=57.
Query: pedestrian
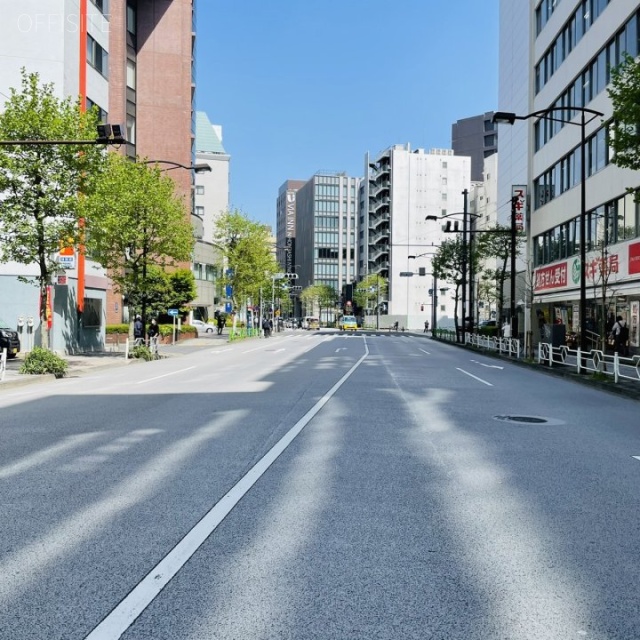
x=266, y=327
x=506, y=330
x=620, y=334
x=220, y=321
x=426, y=326
x=138, y=331
x=153, y=330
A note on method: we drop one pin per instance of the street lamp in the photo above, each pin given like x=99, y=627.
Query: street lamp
x=198, y=168
x=505, y=117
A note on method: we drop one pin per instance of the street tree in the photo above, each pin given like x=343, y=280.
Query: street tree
x=248, y=263
x=42, y=185
x=135, y=220
x=496, y=247
x=448, y=265
x=371, y=291
x=624, y=92
x=320, y=296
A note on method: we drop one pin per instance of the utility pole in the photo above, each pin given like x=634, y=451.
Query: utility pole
x=465, y=222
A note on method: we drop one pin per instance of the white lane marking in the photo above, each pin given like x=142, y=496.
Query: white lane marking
x=143, y=594
x=475, y=377
x=220, y=350
x=278, y=350
x=164, y=375
x=636, y=457
x=490, y=366
x=341, y=349
x=423, y=351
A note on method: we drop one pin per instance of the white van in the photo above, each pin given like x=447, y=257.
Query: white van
x=310, y=323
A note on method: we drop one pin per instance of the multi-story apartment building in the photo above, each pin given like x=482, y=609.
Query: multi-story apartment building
x=402, y=188
x=476, y=137
x=134, y=60
x=574, y=46
x=326, y=231
x=211, y=199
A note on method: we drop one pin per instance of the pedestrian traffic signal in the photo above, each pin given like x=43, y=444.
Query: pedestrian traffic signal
x=421, y=307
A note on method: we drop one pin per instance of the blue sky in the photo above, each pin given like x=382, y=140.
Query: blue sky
x=306, y=85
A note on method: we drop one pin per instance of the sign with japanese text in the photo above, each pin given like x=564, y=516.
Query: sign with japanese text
x=552, y=277
x=519, y=195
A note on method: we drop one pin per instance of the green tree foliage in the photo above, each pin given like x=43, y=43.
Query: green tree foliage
x=321, y=296
x=496, y=246
x=42, y=185
x=182, y=285
x=370, y=291
x=624, y=92
x=447, y=265
x=136, y=221
x=247, y=254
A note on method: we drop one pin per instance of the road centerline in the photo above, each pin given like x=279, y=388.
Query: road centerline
x=116, y=623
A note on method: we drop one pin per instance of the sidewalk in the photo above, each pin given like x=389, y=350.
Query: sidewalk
x=83, y=363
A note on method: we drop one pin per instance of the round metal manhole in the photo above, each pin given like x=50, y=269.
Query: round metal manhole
x=522, y=419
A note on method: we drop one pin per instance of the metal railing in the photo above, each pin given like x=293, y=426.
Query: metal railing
x=594, y=361
x=505, y=346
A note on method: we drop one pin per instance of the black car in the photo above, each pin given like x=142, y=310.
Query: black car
x=9, y=340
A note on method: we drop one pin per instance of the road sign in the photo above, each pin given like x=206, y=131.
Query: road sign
x=278, y=276
x=172, y=312
x=406, y=274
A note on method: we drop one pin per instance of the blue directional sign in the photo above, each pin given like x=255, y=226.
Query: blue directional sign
x=228, y=307
x=229, y=291
x=172, y=312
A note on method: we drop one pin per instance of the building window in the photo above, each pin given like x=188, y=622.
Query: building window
x=131, y=129
x=102, y=114
x=131, y=19
x=97, y=57
x=200, y=212
x=131, y=74
x=103, y=6
x=199, y=189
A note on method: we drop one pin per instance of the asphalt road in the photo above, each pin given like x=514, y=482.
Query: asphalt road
x=317, y=485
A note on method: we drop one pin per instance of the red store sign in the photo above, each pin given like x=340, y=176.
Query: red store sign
x=551, y=277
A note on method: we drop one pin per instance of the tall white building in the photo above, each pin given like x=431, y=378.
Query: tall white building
x=402, y=188
x=573, y=47
x=211, y=199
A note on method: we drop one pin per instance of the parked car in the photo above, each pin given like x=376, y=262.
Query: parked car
x=488, y=323
x=9, y=340
x=202, y=327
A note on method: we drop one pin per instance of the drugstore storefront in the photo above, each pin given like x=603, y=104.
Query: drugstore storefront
x=612, y=289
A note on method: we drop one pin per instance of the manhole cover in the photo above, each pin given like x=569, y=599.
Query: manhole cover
x=523, y=419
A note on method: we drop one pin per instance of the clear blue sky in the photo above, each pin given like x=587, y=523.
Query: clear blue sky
x=306, y=85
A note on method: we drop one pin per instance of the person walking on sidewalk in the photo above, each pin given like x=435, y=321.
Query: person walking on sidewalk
x=426, y=326
x=138, y=331
x=220, y=323
x=620, y=333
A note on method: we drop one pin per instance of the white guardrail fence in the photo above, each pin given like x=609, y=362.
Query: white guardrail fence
x=594, y=361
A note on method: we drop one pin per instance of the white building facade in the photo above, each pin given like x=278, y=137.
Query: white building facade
x=403, y=187
x=573, y=46
x=211, y=199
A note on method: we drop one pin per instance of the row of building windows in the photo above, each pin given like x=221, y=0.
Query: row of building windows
x=583, y=17
x=325, y=269
x=543, y=13
x=593, y=79
x=567, y=173
x=206, y=272
x=330, y=283
x=97, y=57
x=610, y=223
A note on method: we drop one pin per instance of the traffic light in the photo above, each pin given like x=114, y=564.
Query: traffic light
x=422, y=271
x=290, y=276
x=449, y=228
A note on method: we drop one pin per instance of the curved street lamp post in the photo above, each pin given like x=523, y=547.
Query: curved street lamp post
x=505, y=117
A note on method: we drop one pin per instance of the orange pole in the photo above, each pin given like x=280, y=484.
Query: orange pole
x=82, y=90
